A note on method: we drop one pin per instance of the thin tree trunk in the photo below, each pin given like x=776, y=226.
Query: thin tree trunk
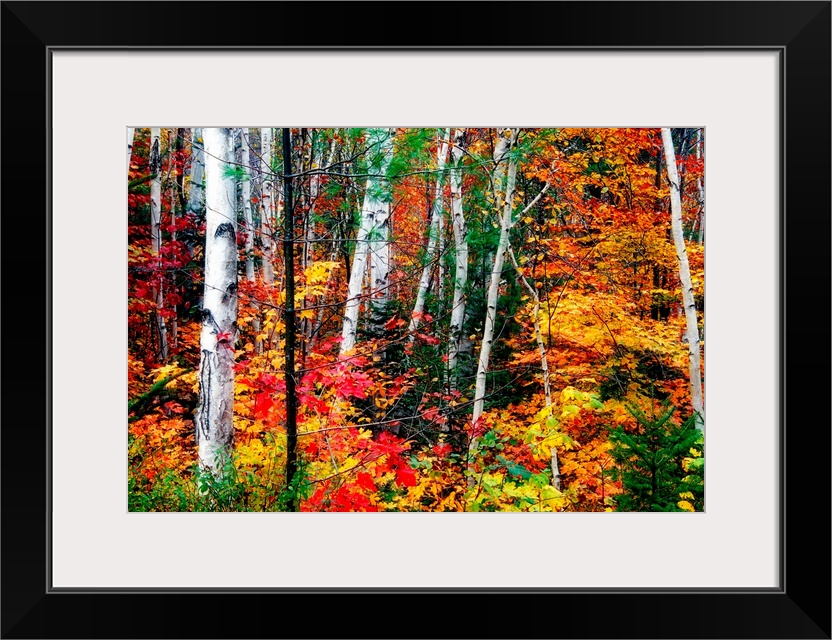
x=174, y=146
x=289, y=320
x=245, y=188
x=692, y=332
x=267, y=214
x=440, y=265
x=156, y=239
x=196, y=195
x=317, y=157
x=699, y=143
x=309, y=245
x=433, y=235
x=544, y=365
x=494, y=282
x=214, y=414
x=498, y=176
x=372, y=231
x=460, y=259
x=131, y=132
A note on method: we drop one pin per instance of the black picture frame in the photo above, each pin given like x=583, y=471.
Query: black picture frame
x=799, y=608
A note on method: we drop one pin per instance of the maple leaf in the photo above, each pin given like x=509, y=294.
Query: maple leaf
x=406, y=476
x=262, y=404
x=442, y=449
x=365, y=481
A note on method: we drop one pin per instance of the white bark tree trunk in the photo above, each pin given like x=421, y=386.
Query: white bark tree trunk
x=692, y=332
x=433, y=236
x=214, y=414
x=196, y=195
x=172, y=194
x=267, y=214
x=460, y=258
x=506, y=222
x=314, y=188
x=156, y=238
x=379, y=253
x=699, y=143
x=130, y=134
x=372, y=232
x=498, y=176
x=544, y=364
x=440, y=251
x=245, y=189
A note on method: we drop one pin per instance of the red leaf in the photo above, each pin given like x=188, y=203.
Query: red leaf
x=430, y=414
x=365, y=481
x=262, y=404
x=442, y=449
x=406, y=476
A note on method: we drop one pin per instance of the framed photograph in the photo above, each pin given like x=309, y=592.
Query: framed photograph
x=723, y=107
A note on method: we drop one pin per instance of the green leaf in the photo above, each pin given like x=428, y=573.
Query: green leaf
x=514, y=468
x=697, y=463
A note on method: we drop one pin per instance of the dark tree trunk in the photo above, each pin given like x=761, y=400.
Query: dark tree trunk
x=289, y=319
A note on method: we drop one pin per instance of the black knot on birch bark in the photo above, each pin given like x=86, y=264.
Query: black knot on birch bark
x=230, y=291
x=226, y=228
x=155, y=158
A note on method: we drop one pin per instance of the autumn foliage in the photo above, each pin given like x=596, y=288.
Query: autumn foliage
x=387, y=427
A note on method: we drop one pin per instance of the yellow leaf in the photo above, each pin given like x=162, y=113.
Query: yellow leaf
x=685, y=505
x=349, y=463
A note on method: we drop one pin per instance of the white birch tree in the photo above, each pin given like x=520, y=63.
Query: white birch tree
x=541, y=349
x=700, y=190
x=267, y=211
x=379, y=250
x=156, y=238
x=245, y=188
x=316, y=159
x=433, y=236
x=372, y=233
x=196, y=194
x=130, y=133
x=460, y=257
x=692, y=327
x=213, y=419
x=508, y=139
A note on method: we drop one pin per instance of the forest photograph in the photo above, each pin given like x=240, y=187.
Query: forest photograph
x=415, y=319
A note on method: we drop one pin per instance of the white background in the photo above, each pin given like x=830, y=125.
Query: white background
x=97, y=543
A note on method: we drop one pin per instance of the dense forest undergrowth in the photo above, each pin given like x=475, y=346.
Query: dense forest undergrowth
x=473, y=319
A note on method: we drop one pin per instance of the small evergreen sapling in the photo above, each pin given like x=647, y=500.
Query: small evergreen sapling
x=651, y=461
